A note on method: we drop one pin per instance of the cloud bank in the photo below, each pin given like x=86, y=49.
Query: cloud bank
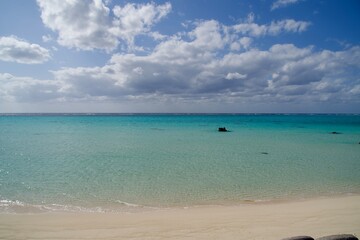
x=207, y=63
x=195, y=68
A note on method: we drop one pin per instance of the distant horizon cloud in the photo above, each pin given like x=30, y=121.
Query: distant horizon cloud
x=295, y=75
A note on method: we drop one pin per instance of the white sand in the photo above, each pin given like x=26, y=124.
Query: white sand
x=316, y=218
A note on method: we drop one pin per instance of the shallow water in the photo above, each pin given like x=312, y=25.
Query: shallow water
x=117, y=162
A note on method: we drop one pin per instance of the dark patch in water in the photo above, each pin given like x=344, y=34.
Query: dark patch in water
x=157, y=129
x=265, y=153
x=223, y=129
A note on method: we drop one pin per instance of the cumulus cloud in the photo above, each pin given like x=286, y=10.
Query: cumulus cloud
x=284, y=72
x=134, y=19
x=245, y=42
x=235, y=75
x=288, y=25
x=90, y=83
x=80, y=24
x=92, y=24
x=88, y=24
x=202, y=66
x=13, y=49
x=282, y=3
x=275, y=28
x=27, y=89
x=242, y=43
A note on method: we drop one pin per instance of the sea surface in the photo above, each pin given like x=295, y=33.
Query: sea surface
x=131, y=162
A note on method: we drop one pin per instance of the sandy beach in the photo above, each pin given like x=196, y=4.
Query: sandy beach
x=317, y=217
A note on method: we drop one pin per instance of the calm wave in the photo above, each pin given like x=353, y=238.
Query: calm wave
x=130, y=161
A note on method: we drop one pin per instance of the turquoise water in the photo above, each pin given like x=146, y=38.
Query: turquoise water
x=121, y=162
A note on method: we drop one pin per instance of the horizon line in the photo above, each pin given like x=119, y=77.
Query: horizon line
x=175, y=113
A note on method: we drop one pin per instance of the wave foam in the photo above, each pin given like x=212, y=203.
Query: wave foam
x=16, y=206
x=129, y=204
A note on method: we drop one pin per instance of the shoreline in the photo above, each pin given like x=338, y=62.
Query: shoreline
x=314, y=217
x=122, y=207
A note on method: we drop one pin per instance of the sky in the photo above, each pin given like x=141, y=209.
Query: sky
x=200, y=56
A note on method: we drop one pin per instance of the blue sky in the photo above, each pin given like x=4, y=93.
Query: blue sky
x=180, y=56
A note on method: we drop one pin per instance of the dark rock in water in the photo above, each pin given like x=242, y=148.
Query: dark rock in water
x=265, y=153
x=339, y=237
x=335, y=133
x=223, y=129
x=299, y=238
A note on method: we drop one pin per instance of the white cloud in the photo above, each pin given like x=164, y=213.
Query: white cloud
x=235, y=75
x=281, y=73
x=88, y=25
x=47, y=38
x=138, y=70
x=134, y=19
x=90, y=83
x=27, y=89
x=242, y=43
x=13, y=49
x=282, y=3
x=235, y=46
x=157, y=36
x=80, y=24
x=245, y=42
x=251, y=29
x=199, y=66
x=275, y=28
x=207, y=35
x=206, y=39
x=355, y=90
x=250, y=17
x=288, y=25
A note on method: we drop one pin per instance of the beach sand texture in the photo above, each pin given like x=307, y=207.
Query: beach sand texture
x=317, y=217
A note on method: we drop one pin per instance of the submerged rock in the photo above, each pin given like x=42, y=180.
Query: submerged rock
x=339, y=237
x=299, y=238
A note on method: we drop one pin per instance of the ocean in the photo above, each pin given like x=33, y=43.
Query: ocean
x=132, y=162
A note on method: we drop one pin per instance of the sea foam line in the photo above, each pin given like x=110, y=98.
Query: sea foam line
x=16, y=206
x=129, y=204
